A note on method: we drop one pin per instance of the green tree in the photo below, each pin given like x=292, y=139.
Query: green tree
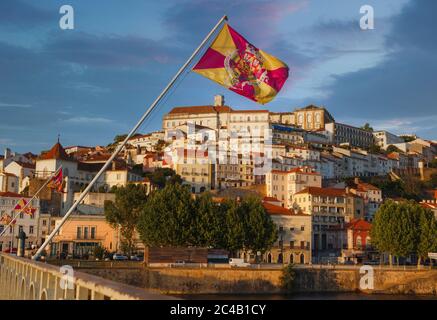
x=391, y=148
x=124, y=212
x=260, y=231
x=161, y=176
x=396, y=228
x=428, y=234
x=367, y=127
x=167, y=219
x=210, y=220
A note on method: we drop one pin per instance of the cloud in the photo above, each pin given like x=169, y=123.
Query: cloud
x=255, y=17
x=403, y=84
x=17, y=14
x=14, y=105
x=88, y=120
x=111, y=51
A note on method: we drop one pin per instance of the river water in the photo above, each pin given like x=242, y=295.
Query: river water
x=307, y=296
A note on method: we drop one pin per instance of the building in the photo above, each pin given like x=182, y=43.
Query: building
x=195, y=169
x=309, y=118
x=294, y=236
x=22, y=170
x=385, y=138
x=80, y=235
x=353, y=241
x=8, y=182
x=345, y=134
x=27, y=223
x=282, y=185
x=328, y=207
x=372, y=197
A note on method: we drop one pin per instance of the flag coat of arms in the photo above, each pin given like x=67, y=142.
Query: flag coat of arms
x=6, y=219
x=56, y=183
x=236, y=64
x=22, y=205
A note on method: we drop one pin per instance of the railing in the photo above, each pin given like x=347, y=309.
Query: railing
x=23, y=279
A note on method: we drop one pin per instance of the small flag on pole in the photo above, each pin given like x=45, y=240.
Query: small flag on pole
x=20, y=205
x=6, y=219
x=56, y=183
x=27, y=209
x=236, y=64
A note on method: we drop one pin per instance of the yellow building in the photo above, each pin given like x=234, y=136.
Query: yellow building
x=294, y=236
x=312, y=118
x=328, y=207
x=282, y=185
x=82, y=233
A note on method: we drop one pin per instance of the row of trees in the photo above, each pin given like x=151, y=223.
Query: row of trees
x=171, y=217
x=405, y=228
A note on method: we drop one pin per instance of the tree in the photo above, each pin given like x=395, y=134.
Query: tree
x=396, y=228
x=161, y=176
x=167, y=219
x=391, y=148
x=210, y=219
x=260, y=231
x=428, y=234
x=367, y=127
x=125, y=211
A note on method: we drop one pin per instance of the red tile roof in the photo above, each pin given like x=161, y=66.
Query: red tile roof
x=271, y=199
x=11, y=195
x=56, y=152
x=200, y=109
x=359, y=224
x=280, y=211
x=276, y=210
x=362, y=186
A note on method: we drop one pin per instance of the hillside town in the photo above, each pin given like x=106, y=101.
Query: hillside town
x=320, y=181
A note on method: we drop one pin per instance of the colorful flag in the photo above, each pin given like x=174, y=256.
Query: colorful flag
x=20, y=205
x=239, y=66
x=56, y=181
x=6, y=219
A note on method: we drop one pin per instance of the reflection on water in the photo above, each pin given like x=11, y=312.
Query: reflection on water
x=307, y=296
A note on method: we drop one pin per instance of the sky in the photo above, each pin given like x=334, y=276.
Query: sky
x=95, y=81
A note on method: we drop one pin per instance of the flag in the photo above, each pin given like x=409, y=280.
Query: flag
x=236, y=64
x=20, y=205
x=6, y=219
x=27, y=210
x=56, y=181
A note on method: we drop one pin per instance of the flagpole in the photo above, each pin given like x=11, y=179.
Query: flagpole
x=30, y=201
x=131, y=133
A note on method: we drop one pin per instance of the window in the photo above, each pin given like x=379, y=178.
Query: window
x=85, y=232
x=302, y=228
x=79, y=233
x=30, y=229
x=93, y=232
x=21, y=215
x=292, y=244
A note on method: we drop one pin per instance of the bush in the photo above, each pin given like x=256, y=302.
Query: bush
x=287, y=278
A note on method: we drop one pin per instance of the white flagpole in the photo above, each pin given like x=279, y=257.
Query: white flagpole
x=30, y=201
x=131, y=133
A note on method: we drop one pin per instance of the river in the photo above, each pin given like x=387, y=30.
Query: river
x=307, y=296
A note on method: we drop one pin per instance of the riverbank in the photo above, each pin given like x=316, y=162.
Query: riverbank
x=191, y=281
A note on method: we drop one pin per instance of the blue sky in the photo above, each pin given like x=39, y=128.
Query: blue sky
x=93, y=82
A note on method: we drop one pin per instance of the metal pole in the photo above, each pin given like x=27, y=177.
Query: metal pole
x=131, y=133
x=30, y=201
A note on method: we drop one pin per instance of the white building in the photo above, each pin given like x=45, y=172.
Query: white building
x=385, y=138
x=27, y=223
